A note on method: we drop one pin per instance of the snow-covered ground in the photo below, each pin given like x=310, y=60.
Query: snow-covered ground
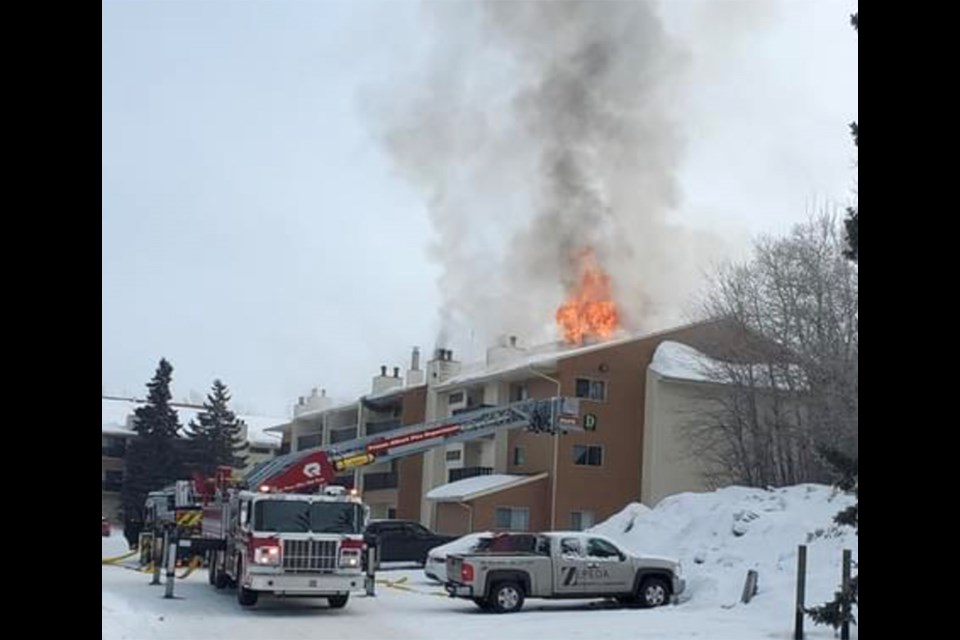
x=718, y=536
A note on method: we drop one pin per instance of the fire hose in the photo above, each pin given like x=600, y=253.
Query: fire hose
x=116, y=559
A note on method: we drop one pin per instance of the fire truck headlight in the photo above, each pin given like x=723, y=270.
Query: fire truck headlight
x=266, y=555
x=349, y=558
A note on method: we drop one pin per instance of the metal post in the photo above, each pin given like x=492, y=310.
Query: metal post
x=171, y=542
x=157, y=556
x=749, y=587
x=845, y=627
x=801, y=589
x=370, y=582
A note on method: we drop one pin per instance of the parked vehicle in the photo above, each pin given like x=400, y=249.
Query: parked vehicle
x=403, y=540
x=560, y=565
x=436, y=566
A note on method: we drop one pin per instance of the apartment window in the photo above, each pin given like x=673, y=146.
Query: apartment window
x=591, y=389
x=456, y=398
x=513, y=518
x=581, y=520
x=590, y=455
x=519, y=456
x=391, y=513
x=454, y=455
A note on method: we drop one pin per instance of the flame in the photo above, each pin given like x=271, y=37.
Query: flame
x=589, y=310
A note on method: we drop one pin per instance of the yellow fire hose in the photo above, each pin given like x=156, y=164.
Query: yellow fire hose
x=116, y=559
x=195, y=563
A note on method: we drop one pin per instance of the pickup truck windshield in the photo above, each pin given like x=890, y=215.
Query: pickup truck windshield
x=288, y=516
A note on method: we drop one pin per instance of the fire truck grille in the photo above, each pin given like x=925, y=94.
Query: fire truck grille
x=309, y=556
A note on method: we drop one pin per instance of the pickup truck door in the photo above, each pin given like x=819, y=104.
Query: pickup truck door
x=569, y=566
x=608, y=569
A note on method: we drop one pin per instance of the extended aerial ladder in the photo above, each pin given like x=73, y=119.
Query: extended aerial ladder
x=318, y=466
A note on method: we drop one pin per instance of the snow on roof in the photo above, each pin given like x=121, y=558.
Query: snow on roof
x=676, y=360
x=681, y=362
x=544, y=356
x=116, y=415
x=477, y=486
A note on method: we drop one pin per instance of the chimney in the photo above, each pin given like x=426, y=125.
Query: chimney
x=414, y=374
x=505, y=350
x=383, y=381
x=442, y=367
x=314, y=402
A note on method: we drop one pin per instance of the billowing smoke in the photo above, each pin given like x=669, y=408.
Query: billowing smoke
x=534, y=130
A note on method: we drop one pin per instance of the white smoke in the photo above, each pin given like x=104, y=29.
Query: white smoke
x=535, y=129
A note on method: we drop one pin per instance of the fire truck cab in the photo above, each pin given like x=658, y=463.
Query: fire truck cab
x=288, y=544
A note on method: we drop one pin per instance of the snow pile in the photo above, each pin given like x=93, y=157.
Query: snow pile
x=719, y=536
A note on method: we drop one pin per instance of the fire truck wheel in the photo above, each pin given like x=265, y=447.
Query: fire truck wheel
x=212, y=568
x=246, y=597
x=218, y=577
x=338, y=602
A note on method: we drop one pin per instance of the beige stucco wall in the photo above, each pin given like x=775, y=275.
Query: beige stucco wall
x=672, y=406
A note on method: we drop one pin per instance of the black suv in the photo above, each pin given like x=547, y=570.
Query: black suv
x=403, y=540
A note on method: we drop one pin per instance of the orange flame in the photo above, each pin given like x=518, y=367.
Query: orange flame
x=589, y=310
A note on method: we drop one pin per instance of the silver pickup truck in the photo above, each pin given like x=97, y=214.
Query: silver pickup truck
x=560, y=565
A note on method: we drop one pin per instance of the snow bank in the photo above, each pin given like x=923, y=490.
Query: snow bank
x=719, y=536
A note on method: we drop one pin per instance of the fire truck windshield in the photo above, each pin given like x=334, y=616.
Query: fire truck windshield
x=289, y=516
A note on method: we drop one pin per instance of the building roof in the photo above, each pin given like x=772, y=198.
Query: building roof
x=479, y=486
x=543, y=358
x=116, y=415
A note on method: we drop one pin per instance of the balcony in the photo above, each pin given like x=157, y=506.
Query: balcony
x=115, y=451
x=345, y=433
x=468, y=472
x=373, y=428
x=384, y=480
x=111, y=485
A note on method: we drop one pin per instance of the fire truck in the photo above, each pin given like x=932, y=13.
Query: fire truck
x=288, y=530
x=287, y=544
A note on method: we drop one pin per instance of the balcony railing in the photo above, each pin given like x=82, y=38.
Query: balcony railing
x=339, y=435
x=383, y=480
x=468, y=472
x=113, y=452
x=373, y=428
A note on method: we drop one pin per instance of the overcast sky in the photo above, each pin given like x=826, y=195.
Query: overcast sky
x=253, y=228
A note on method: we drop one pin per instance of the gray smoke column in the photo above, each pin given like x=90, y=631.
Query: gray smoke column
x=534, y=130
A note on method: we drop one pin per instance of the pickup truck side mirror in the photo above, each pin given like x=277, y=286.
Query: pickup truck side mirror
x=623, y=556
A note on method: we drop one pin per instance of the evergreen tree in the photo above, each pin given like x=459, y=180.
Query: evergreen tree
x=852, y=222
x=840, y=609
x=153, y=457
x=217, y=435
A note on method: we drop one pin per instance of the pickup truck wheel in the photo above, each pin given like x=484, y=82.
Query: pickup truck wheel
x=339, y=601
x=506, y=597
x=654, y=592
